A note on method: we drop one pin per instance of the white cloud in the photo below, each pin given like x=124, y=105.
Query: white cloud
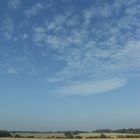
x=129, y=56
x=14, y=4
x=39, y=35
x=8, y=28
x=104, y=11
x=12, y=71
x=133, y=10
x=57, y=22
x=73, y=21
x=92, y=87
x=35, y=9
x=93, y=43
x=24, y=36
x=103, y=49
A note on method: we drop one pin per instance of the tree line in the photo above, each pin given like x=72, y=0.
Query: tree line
x=129, y=130
x=4, y=133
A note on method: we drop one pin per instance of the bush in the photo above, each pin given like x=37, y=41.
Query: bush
x=78, y=137
x=5, y=134
x=30, y=137
x=102, y=136
x=128, y=136
x=68, y=135
x=17, y=136
x=92, y=137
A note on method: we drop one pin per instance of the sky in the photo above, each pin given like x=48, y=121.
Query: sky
x=69, y=64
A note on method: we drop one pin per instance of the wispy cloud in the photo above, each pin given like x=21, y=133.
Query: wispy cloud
x=97, y=42
x=89, y=88
x=8, y=28
x=12, y=71
x=104, y=11
x=14, y=4
x=34, y=10
x=102, y=49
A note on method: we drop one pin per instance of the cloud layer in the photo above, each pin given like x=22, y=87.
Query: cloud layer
x=14, y=4
x=96, y=41
x=88, y=88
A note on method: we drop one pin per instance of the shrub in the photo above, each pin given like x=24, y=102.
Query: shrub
x=5, y=134
x=78, y=137
x=92, y=137
x=128, y=136
x=17, y=136
x=30, y=137
x=68, y=135
x=102, y=136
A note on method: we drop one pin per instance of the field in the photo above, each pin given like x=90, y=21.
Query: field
x=61, y=136
x=64, y=139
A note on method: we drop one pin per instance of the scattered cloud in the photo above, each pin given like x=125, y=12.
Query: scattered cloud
x=34, y=10
x=92, y=87
x=12, y=71
x=14, y=4
x=8, y=28
x=104, y=11
x=101, y=49
x=90, y=43
x=24, y=36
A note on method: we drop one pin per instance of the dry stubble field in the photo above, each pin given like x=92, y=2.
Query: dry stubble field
x=65, y=139
x=43, y=136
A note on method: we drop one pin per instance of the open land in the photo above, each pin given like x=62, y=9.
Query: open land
x=83, y=136
x=63, y=139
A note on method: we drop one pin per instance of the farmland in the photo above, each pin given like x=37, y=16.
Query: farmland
x=121, y=134
x=63, y=139
x=62, y=136
x=88, y=135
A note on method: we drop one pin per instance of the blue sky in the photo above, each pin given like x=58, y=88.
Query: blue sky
x=69, y=64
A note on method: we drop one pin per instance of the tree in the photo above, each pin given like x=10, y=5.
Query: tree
x=103, y=136
x=68, y=135
x=5, y=134
x=17, y=136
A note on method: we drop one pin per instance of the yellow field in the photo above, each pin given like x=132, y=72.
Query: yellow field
x=61, y=135
x=41, y=135
x=64, y=139
x=107, y=134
